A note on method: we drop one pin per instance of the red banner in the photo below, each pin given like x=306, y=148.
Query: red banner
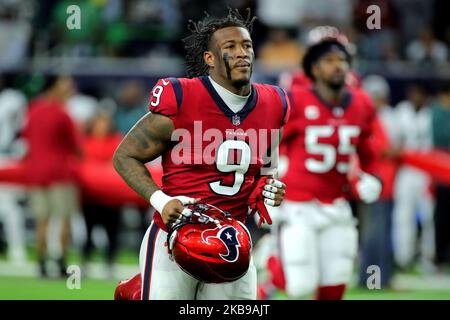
x=103, y=183
x=436, y=163
x=97, y=181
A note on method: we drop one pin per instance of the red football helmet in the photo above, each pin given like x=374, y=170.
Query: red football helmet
x=209, y=245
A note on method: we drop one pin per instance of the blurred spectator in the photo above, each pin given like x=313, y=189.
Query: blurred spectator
x=376, y=240
x=331, y=12
x=12, y=111
x=131, y=106
x=441, y=140
x=280, y=50
x=78, y=42
x=413, y=201
x=162, y=12
x=379, y=43
x=280, y=13
x=15, y=34
x=439, y=21
x=426, y=48
x=112, y=10
x=415, y=15
x=53, y=144
x=99, y=146
x=82, y=109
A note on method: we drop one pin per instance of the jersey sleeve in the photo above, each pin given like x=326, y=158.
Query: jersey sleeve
x=166, y=97
x=293, y=118
x=287, y=113
x=285, y=104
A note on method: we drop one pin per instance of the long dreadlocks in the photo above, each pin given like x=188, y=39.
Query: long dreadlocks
x=201, y=32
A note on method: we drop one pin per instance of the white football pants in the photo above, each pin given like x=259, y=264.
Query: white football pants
x=163, y=279
x=318, y=244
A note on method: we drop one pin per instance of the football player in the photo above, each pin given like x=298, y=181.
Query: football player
x=289, y=79
x=330, y=126
x=202, y=127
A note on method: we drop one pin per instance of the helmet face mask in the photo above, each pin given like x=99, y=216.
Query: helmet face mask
x=210, y=245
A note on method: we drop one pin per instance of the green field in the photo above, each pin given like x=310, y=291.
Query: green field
x=22, y=284
x=12, y=288
x=422, y=294
x=26, y=286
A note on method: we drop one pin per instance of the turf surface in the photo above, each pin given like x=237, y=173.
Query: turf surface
x=12, y=288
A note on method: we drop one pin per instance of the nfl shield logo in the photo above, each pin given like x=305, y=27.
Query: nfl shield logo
x=236, y=120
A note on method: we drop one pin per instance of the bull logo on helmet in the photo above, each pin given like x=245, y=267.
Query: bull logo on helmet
x=228, y=236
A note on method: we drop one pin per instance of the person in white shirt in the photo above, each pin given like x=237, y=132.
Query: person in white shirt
x=426, y=48
x=412, y=197
x=12, y=109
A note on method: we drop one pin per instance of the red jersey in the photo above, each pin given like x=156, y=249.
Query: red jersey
x=320, y=140
x=216, y=153
x=52, y=143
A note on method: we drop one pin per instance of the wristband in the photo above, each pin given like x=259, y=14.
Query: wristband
x=159, y=200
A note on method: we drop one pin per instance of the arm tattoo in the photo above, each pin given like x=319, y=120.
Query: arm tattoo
x=146, y=141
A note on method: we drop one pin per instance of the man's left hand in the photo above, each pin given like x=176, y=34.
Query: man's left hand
x=368, y=188
x=273, y=192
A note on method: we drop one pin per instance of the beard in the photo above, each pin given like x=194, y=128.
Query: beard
x=240, y=83
x=335, y=85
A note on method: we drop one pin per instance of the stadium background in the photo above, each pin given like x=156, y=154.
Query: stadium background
x=123, y=47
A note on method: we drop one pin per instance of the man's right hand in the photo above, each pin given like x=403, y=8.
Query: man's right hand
x=171, y=208
x=174, y=209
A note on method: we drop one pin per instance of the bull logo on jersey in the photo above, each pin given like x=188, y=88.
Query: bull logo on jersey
x=228, y=236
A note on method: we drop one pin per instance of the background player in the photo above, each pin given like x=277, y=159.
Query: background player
x=331, y=124
x=299, y=78
x=222, y=102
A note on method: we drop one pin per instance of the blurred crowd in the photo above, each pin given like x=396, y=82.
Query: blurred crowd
x=409, y=224
x=413, y=30
x=51, y=134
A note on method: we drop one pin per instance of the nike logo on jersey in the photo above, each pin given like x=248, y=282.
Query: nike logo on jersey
x=165, y=82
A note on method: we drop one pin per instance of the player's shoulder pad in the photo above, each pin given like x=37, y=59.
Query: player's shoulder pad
x=184, y=85
x=177, y=88
x=284, y=99
x=275, y=91
x=166, y=97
